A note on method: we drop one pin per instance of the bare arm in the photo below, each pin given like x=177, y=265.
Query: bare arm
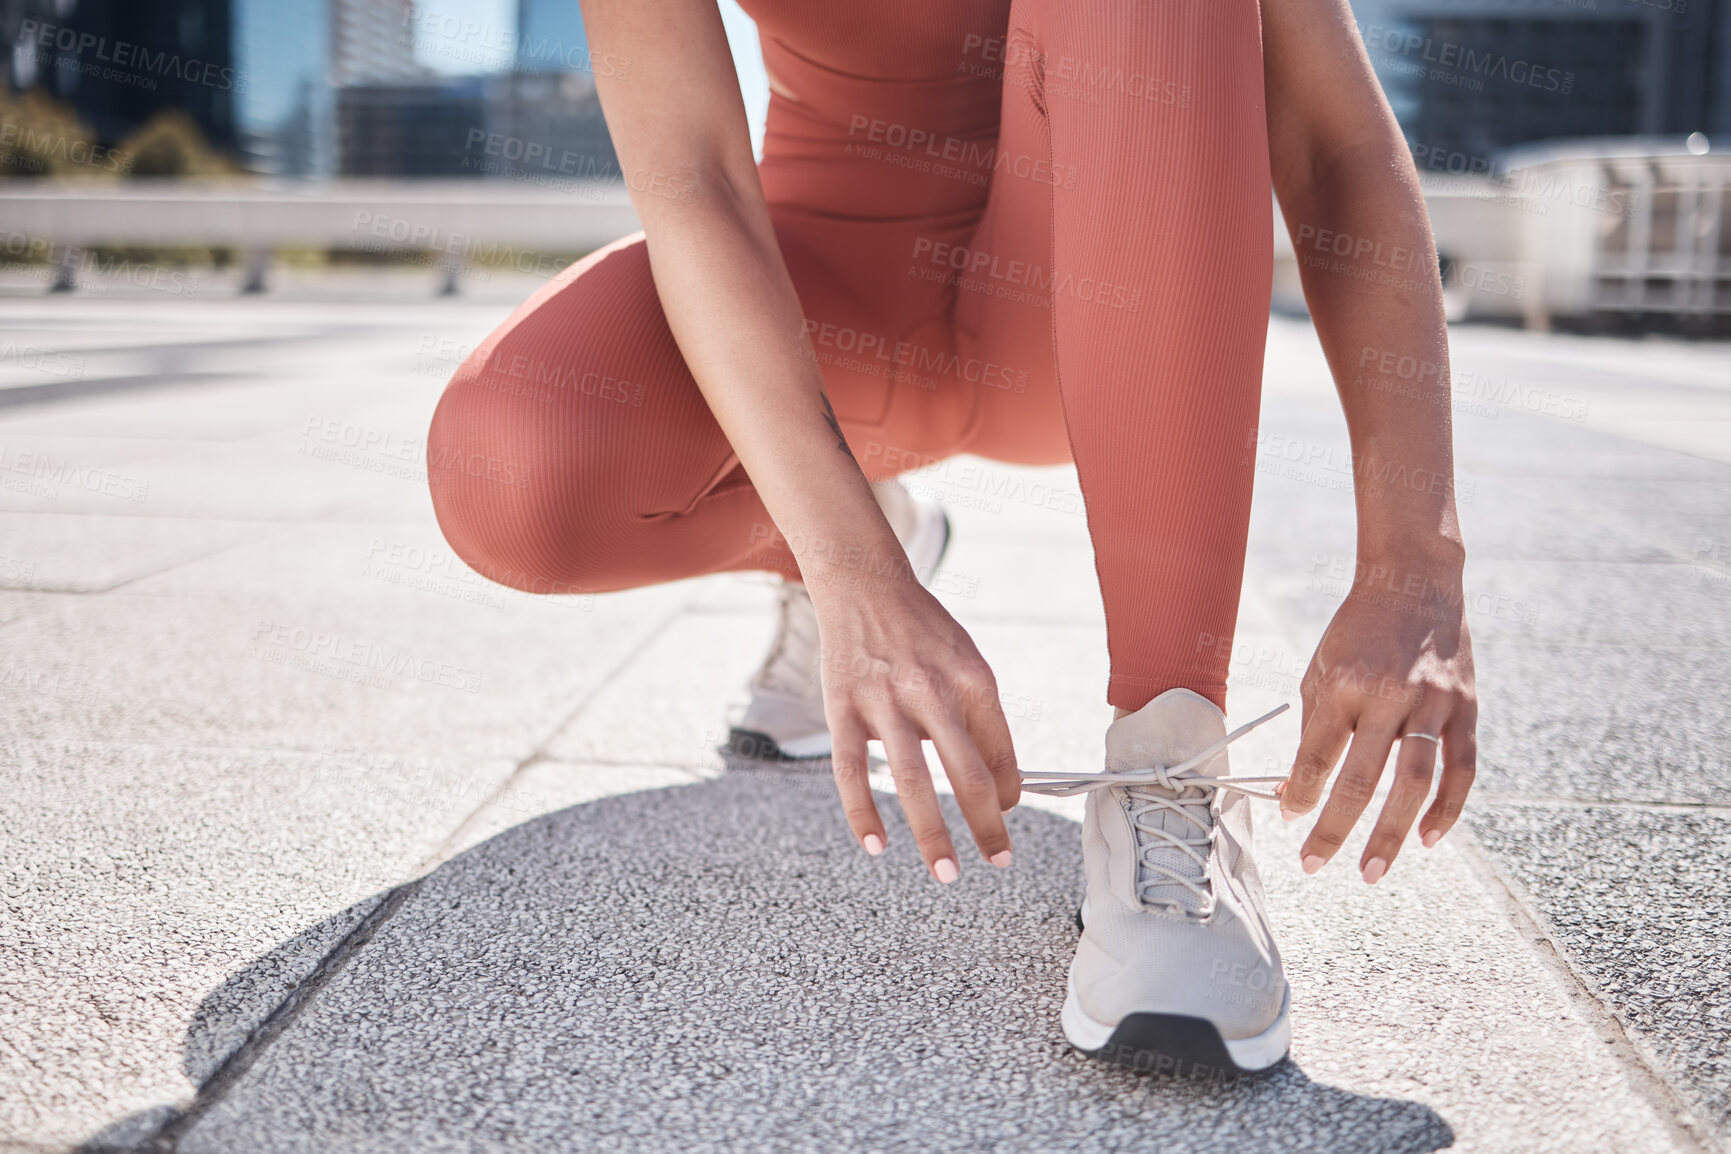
x=678, y=125
x=1397, y=658
x=896, y=666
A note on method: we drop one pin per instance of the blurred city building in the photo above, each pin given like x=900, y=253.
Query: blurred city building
x=547, y=126
x=120, y=62
x=1624, y=233
x=531, y=113
x=1469, y=78
x=408, y=129
x=284, y=58
x=1575, y=154
x=322, y=88
x=550, y=37
x=540, y=126
x=372, y=41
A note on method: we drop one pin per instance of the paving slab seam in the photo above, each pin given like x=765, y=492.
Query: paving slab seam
x=1638, y=646
x=52, y=392
x=1657, y=805
x=180, y=348
x=234, y=1067
x=177, y=563
x=182, y=747
x=1686, y=1126
x=539, y=753
x=1705, y=562
x=811, y=763
x=257, y=519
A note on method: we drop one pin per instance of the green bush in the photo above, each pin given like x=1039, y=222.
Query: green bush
x=41, y=136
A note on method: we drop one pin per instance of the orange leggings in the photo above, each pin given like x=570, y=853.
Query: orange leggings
x=1057, y=250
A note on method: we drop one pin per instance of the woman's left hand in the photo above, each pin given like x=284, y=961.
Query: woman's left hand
x=1395, y=663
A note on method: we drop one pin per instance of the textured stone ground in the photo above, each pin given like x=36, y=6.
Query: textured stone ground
x=259, y=899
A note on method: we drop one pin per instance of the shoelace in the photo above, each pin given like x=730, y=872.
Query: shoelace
x=1138, y=785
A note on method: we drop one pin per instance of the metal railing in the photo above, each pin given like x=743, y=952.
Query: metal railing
x=459, y=222
x=1588, y=232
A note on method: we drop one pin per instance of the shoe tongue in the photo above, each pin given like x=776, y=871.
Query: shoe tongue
x=792, y=666
x=1172, y=728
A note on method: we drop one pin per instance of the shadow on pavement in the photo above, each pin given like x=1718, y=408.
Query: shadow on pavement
x=717, y=967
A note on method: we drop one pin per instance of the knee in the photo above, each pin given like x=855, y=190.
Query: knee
x=510, y=503
x=539, y=438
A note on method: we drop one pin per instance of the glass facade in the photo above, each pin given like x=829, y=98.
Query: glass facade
x=285, y=114
x=1719, y=122
x=121, y=62
x=1469, y=78
x=550, y=37
x=410, y=129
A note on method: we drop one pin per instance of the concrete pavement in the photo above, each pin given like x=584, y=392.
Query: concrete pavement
x=260, y=898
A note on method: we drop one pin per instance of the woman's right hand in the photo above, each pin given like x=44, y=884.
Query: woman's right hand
x=897, y=667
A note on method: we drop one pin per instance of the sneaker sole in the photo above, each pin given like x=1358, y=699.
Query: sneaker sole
x=1176, y=1043
x=755, y=746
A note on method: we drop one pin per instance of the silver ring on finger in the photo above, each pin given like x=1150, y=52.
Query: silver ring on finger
x=1425, y=736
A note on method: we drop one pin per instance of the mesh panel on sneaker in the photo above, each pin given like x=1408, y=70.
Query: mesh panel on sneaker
x=1167, y=771
x=1160, y=862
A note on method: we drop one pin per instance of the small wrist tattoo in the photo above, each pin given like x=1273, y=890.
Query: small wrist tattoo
x=834, y=425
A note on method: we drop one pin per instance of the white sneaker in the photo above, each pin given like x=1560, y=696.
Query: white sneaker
x=1176, y=970
x=784, y=719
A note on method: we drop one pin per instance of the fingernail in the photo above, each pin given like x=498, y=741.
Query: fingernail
x=945, y=870
x=1431, y=837
x=1374, y=869
x=1288, y=814
x=1001, y=859
x=1313, y=862
x=873, y=844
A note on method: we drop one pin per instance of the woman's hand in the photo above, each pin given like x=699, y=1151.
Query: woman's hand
x=897, y=667
x=1396, y=659
x=1390, y=664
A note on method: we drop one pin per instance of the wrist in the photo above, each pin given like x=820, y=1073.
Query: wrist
x=1438, y=551
x=845, y=564
x=1410, y=578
